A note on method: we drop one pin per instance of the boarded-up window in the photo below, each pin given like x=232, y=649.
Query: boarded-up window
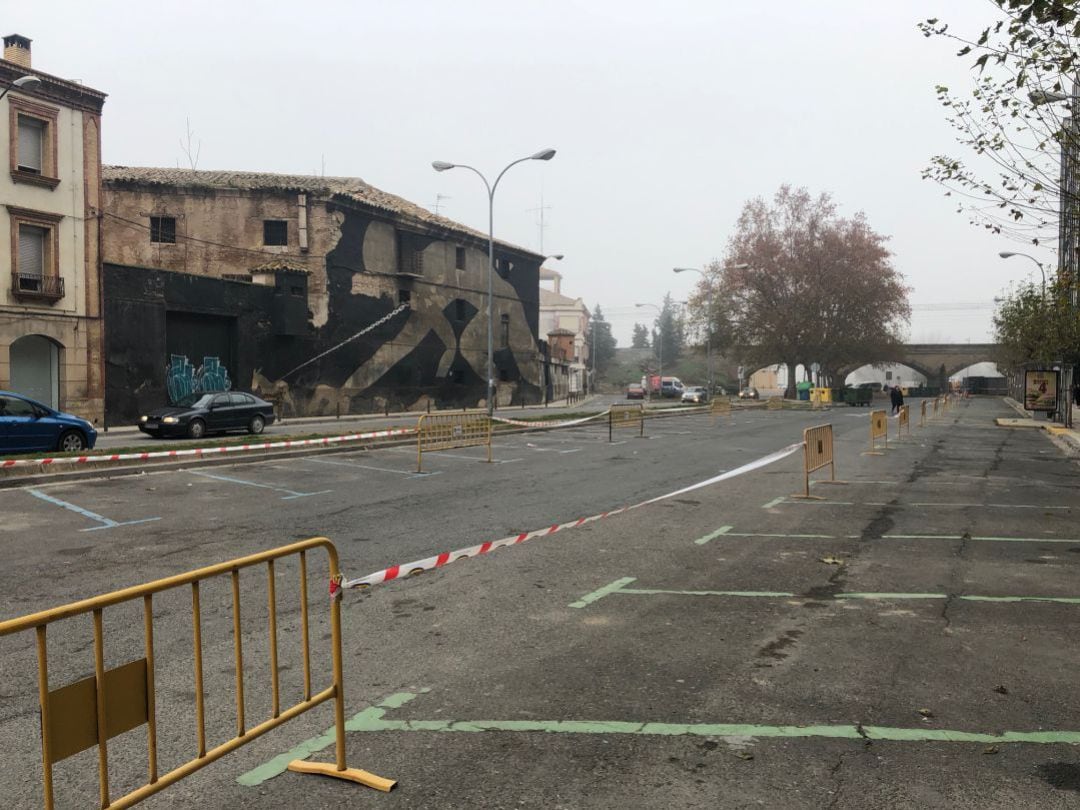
x=275, y=232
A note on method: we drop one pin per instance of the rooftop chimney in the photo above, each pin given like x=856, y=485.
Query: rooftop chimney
x=17, y=50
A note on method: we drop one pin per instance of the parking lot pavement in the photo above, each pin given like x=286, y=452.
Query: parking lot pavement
x=906, y=642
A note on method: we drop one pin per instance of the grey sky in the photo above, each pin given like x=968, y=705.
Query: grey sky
x=666, y=117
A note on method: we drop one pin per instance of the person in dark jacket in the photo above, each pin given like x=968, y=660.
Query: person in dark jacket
x=896, y=397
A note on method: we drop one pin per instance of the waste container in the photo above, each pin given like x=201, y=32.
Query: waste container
x=823, y=394
x=803, y=390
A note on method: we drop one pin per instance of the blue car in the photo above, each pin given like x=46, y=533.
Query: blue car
x=27, y=426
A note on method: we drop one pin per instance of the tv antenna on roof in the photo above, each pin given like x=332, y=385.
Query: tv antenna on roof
x=438, y=202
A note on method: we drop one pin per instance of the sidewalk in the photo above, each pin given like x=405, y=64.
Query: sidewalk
x=1066, y=438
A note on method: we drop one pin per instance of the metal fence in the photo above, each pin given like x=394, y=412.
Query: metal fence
x=446, y=431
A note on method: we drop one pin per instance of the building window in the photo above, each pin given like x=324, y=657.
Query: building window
x=35, y=248
x=275, y=232
x=163, y=230
x=505, y=319
x=459, y=258
x=32, y=143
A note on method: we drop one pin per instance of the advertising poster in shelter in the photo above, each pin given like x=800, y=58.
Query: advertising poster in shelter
x=1040, y=390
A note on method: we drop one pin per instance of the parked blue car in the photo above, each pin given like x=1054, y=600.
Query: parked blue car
x=27, y=426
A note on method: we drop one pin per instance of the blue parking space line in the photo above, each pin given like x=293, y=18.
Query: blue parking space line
x=290, y=494
x=106, y=523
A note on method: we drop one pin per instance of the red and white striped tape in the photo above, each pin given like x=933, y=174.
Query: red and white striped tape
x=447, y=557
x=549, y=425
x=203, y=452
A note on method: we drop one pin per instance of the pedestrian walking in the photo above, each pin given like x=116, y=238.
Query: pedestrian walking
x=896, y=397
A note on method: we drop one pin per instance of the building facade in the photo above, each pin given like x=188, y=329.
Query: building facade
x=560, y=314
x=377, y=303
x=50, y=199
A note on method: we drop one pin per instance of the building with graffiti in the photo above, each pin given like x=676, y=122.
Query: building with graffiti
x=323, y=294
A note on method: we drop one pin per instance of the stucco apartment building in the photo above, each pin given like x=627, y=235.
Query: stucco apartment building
x=50, y=295
x=565, y=322
x=277, y=281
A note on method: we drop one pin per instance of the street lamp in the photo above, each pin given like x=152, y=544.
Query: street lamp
x=442, y=166
x=1008, y=254
x=709, y=312
x=659, y=347
x=23, y=83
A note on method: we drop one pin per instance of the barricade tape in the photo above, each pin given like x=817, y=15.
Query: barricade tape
x=545, y=425
x=206, y=451
x=447, y=557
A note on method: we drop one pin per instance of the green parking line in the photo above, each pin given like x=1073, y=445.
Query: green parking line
x=774, y=502
x=619, y=587
x=713, y=535
x=589, y=598
x=374, y=719
x=279, y=764
x=946, y=537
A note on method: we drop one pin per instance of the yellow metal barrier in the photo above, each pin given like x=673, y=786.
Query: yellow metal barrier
x=446, y=431
x=92, y=711
x=626, y=416
x=879, y=429
x=817, y=454
x=922, y=413
x=775, y=403
x=903, y=421
x=720, y=406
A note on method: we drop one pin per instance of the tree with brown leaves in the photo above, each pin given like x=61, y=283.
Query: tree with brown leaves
x=800, y=284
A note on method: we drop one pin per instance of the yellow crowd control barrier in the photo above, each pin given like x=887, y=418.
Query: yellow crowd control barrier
x=720, y=406
x=775, y=403
x=92, y=711
x=922, y=413
x=903, y=421
x=446, y=431
x=626, y=416
x=879, y=429
x=818, y=454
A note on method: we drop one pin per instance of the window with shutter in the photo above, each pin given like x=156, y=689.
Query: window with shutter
x=31, y=145
x=32, y=250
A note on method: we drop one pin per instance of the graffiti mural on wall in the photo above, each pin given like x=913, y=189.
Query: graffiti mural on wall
x=182, y=378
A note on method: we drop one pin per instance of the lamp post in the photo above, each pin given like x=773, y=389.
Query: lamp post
x=442, y=166
x=1008, y=254
x=659, y=347
x=709, y=314
x=23, y=83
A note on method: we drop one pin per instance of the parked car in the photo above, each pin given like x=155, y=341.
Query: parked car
x=635, y=391
x=671, y=387
x=696, y=394
x=27, y=425
x=198, y=414
x=749, y=393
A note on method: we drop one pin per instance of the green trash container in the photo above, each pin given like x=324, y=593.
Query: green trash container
x=803, y=390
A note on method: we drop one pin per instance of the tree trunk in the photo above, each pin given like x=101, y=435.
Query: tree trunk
x=789, y=392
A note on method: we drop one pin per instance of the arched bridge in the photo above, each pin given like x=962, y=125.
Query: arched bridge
x=928, y=358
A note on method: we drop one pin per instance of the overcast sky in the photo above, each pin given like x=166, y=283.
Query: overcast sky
x=667, y=117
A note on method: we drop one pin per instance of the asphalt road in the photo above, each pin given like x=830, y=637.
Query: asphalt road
x=727, y=647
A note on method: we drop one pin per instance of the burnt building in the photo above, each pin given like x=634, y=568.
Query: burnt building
x=324, y=293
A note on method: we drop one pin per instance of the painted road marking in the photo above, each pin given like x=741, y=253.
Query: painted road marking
x=437, y=454
x=619, y=586
x=713, y=535
x=290, y=493
x=106, y=523
x=373, y=719
x=920, y=503
x=774, y=502
x=952, y=537
x=406, y=473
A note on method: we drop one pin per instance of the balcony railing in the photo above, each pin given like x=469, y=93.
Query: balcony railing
x=48, y=288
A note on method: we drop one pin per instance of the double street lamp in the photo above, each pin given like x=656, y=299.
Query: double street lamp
x=659, y=347
x=709, y=311
x=442, y=166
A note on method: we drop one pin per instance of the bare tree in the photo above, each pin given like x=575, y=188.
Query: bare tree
x=190, y=146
